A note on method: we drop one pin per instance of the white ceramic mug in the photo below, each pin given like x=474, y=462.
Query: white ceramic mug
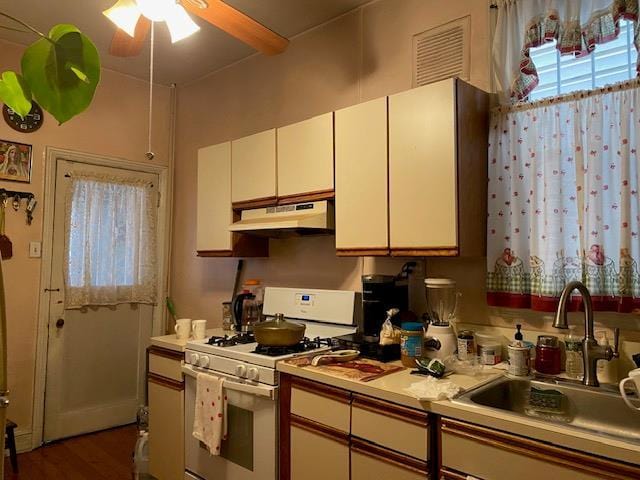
x=198, y=328
x=634, y=376
x=183, y=328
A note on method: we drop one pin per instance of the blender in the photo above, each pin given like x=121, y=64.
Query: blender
x=442, y=305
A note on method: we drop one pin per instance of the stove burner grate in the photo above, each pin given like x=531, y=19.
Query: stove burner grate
x=230, y=341
x=305, y=345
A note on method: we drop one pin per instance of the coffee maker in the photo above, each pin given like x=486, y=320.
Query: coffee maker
x=380, y=294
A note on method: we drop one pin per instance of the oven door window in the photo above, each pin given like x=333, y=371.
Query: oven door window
x=238, y=447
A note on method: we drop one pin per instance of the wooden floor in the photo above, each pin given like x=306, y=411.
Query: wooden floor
x=104, y=455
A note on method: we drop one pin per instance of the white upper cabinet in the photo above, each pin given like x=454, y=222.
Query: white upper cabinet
x=305, y=157
x=361, y=179
x=214, y=213
x=422, y=169
x=253, y=171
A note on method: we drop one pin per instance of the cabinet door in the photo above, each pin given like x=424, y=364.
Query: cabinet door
x=317, y=452
x=305, y=159
x=485, y=453
x=369, y=462
x=166, y=429
x=361, y=179
x=253, y=168
x=214, y=199
x=422, y=171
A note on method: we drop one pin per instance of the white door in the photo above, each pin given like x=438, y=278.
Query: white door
x=96, y=355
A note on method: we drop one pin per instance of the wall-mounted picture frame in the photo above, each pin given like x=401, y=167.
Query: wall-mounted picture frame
x=15, y=161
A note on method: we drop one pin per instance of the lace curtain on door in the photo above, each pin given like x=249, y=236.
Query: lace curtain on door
x=577, y=25
x=110, y=241
x=563, y=200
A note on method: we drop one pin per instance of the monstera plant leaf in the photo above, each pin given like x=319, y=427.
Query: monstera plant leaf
x=62, y=71
x=15, y=92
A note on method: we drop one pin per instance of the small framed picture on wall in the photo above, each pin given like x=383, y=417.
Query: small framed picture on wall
x=15, y=161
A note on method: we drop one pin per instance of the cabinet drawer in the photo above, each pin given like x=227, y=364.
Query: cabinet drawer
x=391, y=426
x=490, y=454
x=165, y=363
x=322, y=404
x=318, y=453
x=369, y=462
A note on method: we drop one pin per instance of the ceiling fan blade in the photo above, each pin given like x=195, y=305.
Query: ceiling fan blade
x=124, y=45
x=238, y=25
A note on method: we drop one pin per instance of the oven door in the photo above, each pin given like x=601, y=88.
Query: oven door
x=250, y=451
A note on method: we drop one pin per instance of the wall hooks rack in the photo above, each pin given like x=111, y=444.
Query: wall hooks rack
x=16, y=198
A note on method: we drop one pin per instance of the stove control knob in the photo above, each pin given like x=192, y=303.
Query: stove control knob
x=193, y=358
x=241, y=371
x=253, y=374
x=204, y=361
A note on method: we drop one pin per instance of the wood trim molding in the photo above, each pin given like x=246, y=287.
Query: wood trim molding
x=214, y=253
x=165, y=382
x=448, y=474
x=398, y=412
x=333, y=393
x=284, y=406
x=255, y=203
x=425, y=252
x=362, y=252
x=318, y=428
x=388, y=456
x=165, y=352
x=581, y=462
x=307, y=197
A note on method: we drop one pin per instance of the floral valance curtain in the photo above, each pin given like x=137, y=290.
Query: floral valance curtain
x=110, y=241
x=564, y=177
x=577, y=25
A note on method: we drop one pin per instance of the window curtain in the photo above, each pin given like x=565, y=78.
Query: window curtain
x=110, y=241
x=577, y=25
x=563, y=200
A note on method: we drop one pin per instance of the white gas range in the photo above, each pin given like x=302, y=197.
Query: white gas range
x=252, y=381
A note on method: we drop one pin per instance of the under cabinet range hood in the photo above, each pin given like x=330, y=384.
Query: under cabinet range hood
x=309, y=218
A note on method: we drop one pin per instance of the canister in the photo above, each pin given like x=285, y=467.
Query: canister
x=519, y=359
x=466, y=344
x=411, y=342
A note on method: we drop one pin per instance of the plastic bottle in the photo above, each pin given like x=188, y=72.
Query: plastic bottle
x=607, y=370
x=573, y=365
x=141, y=457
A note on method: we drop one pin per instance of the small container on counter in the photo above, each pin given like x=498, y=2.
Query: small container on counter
x=548, y=355
x=411, y=342
x=227, y=316
x=519, y=359
x=489, y=349
x=466, y=344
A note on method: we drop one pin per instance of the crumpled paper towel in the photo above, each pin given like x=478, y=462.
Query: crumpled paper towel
x=433, y=389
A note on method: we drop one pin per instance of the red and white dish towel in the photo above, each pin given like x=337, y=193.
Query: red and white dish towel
x=210, y=421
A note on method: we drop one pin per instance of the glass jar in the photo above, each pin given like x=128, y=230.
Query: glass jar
x=573, y=366
x=548, y=355
x=411, y=342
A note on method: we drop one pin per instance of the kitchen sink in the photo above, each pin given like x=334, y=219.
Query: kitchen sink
x=599, y=410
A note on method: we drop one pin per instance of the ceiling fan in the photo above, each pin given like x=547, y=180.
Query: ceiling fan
x=133, y=19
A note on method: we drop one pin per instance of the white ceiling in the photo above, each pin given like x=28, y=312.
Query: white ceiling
x=204, y=52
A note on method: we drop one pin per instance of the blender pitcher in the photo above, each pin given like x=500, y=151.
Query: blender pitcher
x=442, y=305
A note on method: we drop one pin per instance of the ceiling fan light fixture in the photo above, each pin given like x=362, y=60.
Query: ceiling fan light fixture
x=125, y=15
x=157, y=10
x=180, y=24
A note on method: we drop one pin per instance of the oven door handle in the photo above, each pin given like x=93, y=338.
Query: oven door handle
x=232, y=384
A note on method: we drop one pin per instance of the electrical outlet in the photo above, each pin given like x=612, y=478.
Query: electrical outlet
x=35, y=249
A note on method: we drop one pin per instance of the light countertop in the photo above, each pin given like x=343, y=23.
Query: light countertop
x=391, y=388
x=171, y=342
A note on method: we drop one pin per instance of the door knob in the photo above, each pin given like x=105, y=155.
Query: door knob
x=60, y=323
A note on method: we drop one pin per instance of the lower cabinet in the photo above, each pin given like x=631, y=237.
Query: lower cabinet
x=318, y=452
x=166, y=414
x=489, y=454
x=369, y=461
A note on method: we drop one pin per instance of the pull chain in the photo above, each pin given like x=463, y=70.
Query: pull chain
x=150, y=155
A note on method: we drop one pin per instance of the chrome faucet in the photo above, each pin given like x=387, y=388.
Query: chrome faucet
x=591, y=351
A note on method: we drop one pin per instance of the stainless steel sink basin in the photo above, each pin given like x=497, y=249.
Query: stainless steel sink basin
x=598, y=410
